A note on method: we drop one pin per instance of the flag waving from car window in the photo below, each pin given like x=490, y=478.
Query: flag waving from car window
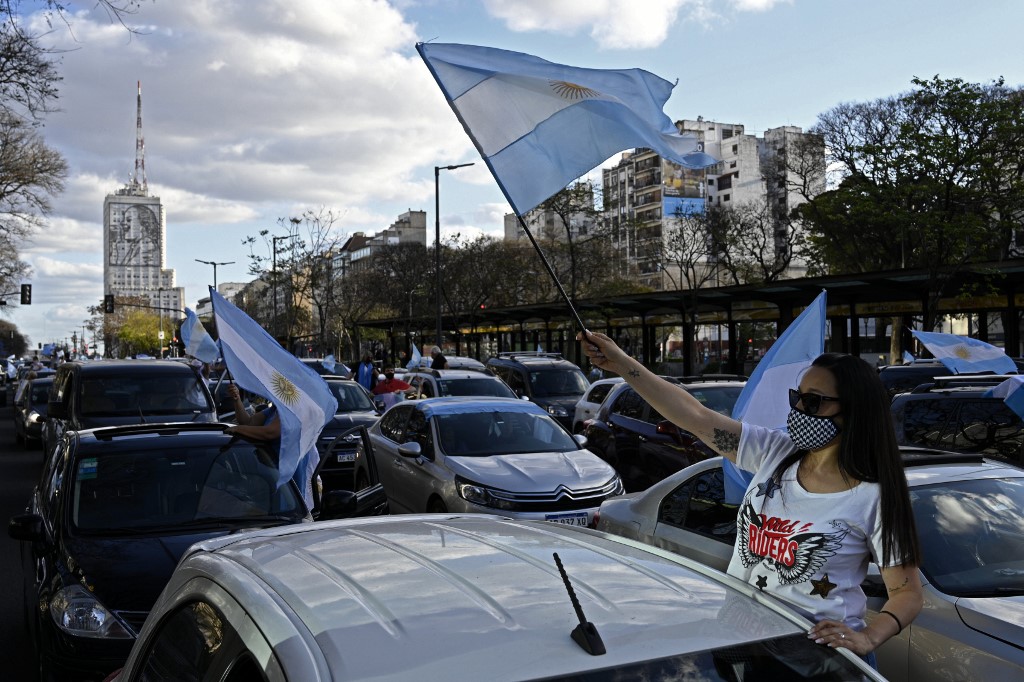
x=198, y=342
x=540, y=125
x=414, y=361
x=260, y=365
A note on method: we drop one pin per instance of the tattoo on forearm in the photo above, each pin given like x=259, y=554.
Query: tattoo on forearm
x=900, y=586
x=726, y=441
x=634, y=373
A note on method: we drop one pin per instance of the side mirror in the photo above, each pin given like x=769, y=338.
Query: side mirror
x=581, y=440
x=339, y=504
x=27, y=527
x=411, y=450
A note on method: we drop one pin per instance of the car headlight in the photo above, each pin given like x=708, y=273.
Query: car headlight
x=77, y=612
x=481, y=495
x=557, y=411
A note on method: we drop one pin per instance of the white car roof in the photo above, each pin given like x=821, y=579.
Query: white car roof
x=477, y=596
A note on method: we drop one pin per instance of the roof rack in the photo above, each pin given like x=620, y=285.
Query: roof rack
x=919, y=456
x=160, y=428
x=697, y=378
x=962, y=381
x=511, y=355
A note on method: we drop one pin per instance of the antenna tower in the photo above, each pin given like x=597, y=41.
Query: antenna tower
x=138, y=183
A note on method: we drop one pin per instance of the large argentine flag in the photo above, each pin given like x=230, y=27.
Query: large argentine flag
x=198, y=342
x=259, y=364
x=764, y=400
x=964, y=355
x=541, y=125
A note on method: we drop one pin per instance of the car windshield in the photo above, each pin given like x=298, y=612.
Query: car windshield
x=972, y=536
x=482, y=434
x=793, y=657
x=157, y=489
x=351, y=397
x=40, y=392
x=489, y=387
x=558, y=382
x=721, y=399
x=151, y=395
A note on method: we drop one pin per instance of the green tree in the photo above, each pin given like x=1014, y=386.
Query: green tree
x=927, y=179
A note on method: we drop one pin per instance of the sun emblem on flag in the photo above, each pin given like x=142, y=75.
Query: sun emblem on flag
x=569, y=90
x=284, y=389
x=962, y=352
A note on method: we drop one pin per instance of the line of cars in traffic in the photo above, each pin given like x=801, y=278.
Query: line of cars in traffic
x=444, y=454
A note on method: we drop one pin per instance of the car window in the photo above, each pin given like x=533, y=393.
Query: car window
x=629, y=404
x=598, y=393
x=168, y=488
x=924, y=421
x=417, y=430
x=699, y=506
x=350, y=396
x=483, y=434
x=392, y=424
x=39, y=393
x=426, y=388
x=196, y=642
x=53, y=474
x=987, y=426
x=491, y=386
x=551, y=383
x=721, y=399
x=971, y=536
x=514, y=380
x=130, y=395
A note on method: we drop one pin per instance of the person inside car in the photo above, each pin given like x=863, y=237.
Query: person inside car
x=827, y=497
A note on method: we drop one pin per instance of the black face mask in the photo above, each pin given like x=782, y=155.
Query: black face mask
x=389, y=377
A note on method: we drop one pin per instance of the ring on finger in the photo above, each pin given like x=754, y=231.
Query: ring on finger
x=842, y=635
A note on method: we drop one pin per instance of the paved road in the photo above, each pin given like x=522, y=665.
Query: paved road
x=19, y=471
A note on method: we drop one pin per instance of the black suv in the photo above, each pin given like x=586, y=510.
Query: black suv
x=954, y=413
x=547, y=379
x=96, y=393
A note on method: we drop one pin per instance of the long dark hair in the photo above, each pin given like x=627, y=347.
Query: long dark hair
x=868, y=451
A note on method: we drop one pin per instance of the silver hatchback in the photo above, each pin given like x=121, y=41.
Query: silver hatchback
x=970, y=521
x=488, y=455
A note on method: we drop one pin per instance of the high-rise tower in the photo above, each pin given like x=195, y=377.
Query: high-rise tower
x=135, y=240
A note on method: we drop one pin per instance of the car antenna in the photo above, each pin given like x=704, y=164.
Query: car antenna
x=142, y=417
x=584, y=634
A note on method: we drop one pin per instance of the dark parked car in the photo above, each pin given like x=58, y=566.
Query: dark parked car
x=114, y=511
x=30, y=412
x=355, y=409
x=547, y=379
x=901, y=378
x=98, y=393
x=641, y=444
x=953, y=413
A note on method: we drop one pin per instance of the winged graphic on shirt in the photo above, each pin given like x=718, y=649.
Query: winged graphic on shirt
x=811, y=550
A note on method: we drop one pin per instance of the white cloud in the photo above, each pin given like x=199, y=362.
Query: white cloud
x=616, y=24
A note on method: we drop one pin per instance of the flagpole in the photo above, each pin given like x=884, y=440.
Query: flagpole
x=550, y=270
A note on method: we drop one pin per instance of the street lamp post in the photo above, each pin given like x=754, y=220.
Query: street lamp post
x=160, y=297
x=274, y=266
x=210, y=262
x=437, y=241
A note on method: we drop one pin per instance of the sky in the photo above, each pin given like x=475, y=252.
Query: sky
x=257, y=110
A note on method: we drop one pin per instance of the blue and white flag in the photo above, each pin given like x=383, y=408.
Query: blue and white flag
x=414, y=361
x=259, y=364
x=540, y=125
x=964, y=355
x=198, y=342
x=1011, y=393
x=329, y=363
x=907, y=358
x=764, y=399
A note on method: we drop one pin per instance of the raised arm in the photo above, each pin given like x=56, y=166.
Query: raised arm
x=720, y=433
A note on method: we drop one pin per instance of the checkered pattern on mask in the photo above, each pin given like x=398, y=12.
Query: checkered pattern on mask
x=809, y=432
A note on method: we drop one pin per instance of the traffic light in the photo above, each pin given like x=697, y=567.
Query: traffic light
x=26, y=294
x=108, y=303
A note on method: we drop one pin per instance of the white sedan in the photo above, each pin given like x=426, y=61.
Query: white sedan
x=591, y=401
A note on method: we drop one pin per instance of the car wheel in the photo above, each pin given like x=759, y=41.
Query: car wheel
x=437, y=506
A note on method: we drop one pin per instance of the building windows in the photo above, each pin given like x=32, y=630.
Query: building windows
x=725, y=197
x=735, y=149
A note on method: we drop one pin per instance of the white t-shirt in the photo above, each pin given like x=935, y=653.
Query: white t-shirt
x=810, y=550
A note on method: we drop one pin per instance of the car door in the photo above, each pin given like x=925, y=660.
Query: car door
x=413, y=478
x=589, y=404
x=626, y=427
x=696, y=520
x=384, y=439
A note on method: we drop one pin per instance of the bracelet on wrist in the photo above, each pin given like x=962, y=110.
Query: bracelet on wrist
x=893, y=616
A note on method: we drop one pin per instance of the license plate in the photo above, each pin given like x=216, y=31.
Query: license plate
x=346, y=456
x=571, y=519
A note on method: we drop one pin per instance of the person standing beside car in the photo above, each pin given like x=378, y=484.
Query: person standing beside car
x=827, y=497
x=438, y=360
x=365, y=373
